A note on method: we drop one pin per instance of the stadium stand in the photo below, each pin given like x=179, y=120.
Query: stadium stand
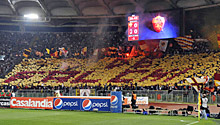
x=13, y=44
x=131, y=72
x=35, y=60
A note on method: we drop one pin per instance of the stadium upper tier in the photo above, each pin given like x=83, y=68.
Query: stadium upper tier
x=13, y=44
x=141, y=70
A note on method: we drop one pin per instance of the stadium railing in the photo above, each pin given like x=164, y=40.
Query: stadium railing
x=181, y=96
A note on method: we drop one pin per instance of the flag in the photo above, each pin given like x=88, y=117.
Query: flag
x=96, y=51
x=185, y=43
x=37, y=53
x=111, y=51
x=27, y=52
x=205, y=79
x=217, y=79
x=199, y=104
x=105, y=51
x=133, y=51
x=189, y=80
x=163, y=45
x=2, y=57
x=55, y=54
x=218, y=39
x=63, y=51
x=196, y=81
x=76, y=54
x=143, y=45
x=84, y=51
x=48, y=51
x=202, y=80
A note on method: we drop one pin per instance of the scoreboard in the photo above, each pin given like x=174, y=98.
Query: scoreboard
x=133, y=28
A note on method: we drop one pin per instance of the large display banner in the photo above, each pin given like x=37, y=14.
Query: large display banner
x=156, y=25
x=116, y=102
x=5, y=102
x=66, y=103
x=33, y=103
x=139, y=101
x=133, y=28
x=91, y=104
x=85, y=92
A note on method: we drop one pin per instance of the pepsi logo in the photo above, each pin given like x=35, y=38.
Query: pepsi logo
x=114, y=100
x=58, y=103
x=87, y=104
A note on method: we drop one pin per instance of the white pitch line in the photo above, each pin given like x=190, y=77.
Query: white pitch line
x=192, y=123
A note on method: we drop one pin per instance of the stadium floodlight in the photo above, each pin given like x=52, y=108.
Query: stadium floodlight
x=31, y=16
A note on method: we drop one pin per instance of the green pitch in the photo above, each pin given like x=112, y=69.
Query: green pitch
x=50, y=117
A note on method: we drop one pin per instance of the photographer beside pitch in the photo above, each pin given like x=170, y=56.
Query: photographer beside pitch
x=133, y=100
x=204, y=106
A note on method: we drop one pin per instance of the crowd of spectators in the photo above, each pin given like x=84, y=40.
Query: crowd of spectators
x=14, y=43
x=133, y=73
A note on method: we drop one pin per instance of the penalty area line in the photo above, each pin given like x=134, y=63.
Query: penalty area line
x=193, y=123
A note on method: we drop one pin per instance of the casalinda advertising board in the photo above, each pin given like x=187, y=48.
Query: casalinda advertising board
x=100, y=104
x=32, y=103
x=66, y=103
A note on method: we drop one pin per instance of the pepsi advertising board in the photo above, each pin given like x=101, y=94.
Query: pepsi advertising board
x=100, y=104
x=116, y=102
x=66, y=103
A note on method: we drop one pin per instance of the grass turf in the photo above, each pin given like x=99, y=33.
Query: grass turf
x=53, y=117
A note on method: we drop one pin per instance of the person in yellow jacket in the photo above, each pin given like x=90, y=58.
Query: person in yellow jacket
x=133, y=100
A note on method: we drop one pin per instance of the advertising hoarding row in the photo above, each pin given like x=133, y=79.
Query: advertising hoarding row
x=110, y=104
x=81, y=104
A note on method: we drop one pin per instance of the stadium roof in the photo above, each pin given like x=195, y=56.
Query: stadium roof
x=63, y=11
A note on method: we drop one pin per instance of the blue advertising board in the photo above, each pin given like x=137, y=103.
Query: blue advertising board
x=100, y=104
x=116, y=102
x=66, y=103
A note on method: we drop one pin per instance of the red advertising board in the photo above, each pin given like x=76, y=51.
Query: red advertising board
x=34, y=103
x=133, y=28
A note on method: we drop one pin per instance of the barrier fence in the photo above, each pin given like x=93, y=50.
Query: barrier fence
x=178, y=96
x=112, y=103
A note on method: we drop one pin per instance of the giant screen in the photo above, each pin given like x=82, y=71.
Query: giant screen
x=158, y=25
